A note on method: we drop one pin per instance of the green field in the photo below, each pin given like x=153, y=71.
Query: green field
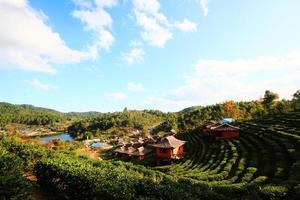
x=265, y=156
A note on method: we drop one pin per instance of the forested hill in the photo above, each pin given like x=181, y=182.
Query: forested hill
x=32, y=115
x=155, y=120
x=270, y=104
x=28, y=114
x=82, y=121
x=105, y=125
x=84, y=114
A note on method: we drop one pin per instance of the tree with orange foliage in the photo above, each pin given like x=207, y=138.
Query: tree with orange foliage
x=230, y=109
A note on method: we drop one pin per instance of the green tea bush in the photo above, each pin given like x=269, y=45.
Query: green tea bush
x=12, y=182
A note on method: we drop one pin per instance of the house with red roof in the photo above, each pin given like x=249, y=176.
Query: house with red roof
x=223, y=131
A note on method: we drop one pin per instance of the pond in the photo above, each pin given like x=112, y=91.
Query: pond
x=62, y=136
x=96, y=144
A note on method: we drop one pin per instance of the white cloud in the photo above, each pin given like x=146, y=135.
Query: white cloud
x=204, y=6
x=186, y=25
x=94, y=19
x=154, y=31
x=135, y=43
x=41, y=86
x=97, y=3
x=156, y=28
x=97, y=20
x=239, y=79
x=106, y=3
x=116, y=96
x=135, y=86
x=28, y=43
x=83, y=3
x=135, y=55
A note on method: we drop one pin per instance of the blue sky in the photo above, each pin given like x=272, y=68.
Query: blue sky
x=104, y=55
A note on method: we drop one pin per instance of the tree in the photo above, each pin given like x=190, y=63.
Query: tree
x=296, y=100
x=171, y=122
x=282, y=106
x=230, y=109
x=269, y=99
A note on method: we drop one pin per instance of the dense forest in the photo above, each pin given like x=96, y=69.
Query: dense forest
x=116, y=123
x=104, y=125
x=28, y=114
x=107, y=124
x=188, y=118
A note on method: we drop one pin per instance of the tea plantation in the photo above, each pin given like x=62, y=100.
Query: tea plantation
x=263, y=163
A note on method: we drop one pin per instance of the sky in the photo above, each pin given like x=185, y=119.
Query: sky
x=105, y=55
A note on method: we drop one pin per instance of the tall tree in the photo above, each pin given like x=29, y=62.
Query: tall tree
x=230, y=109
x=296, y=101
x=269, y=99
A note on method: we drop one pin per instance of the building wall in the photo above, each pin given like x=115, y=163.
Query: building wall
x=227, y=134
x=175, y=151
x=169, y=152
x=164, y=153
x=178, y=151
x=138, y=157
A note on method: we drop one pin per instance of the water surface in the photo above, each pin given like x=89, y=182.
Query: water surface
x=62, y=136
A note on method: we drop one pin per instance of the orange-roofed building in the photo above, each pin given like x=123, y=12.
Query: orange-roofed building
x=224, y=131
x=140, y=153
x=169, y=148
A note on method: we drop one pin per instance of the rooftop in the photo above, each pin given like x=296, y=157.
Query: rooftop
x=169, y=142
x=225, y=127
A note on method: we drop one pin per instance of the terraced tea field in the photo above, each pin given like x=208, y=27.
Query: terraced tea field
x=266, y=156
x=263, y=163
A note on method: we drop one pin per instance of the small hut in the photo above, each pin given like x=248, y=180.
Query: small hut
x=169, y=148
x=141, y=152
x=224, y=131
x=124, y=151
x=207, y=125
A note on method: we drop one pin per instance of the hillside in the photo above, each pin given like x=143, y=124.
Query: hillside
x=266, y=156
x=28, y=114
x=263, y=163
x=117, y=123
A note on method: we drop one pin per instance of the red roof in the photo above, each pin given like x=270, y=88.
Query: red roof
x=125, y=150
x=209, y=124
x=225, y=127
x=169, y=142
x=141, y=151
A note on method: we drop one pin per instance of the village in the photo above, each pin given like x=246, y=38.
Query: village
x=167, y=148
x=153, y=148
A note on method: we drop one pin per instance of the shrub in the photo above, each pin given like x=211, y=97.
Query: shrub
x=12, y=183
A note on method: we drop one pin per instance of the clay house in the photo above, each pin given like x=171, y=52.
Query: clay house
x=124, y=151
x=120, y=144
x=223, y=131
x=166, y=148
x=149, y=140
x=141, y=152
x=207, y=125
x=169, y=148
x=133, y=153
